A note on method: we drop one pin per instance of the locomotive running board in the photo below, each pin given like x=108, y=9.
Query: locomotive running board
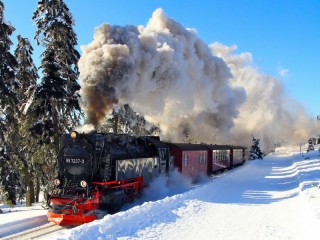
x=70, y=220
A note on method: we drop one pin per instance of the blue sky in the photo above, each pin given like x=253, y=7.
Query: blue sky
x=282, y=35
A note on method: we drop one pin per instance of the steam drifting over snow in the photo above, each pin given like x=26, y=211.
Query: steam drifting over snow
x=165, y=72
x=267, y=112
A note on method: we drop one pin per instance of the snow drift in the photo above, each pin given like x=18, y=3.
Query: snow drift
x=273, y=198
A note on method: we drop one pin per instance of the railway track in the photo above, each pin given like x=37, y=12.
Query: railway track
x=36, y=233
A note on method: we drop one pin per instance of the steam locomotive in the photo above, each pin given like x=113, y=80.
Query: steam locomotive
x=102, y=171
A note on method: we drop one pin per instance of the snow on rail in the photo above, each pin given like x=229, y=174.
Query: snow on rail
x=35, y=233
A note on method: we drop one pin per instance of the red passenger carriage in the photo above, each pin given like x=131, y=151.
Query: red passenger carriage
x=190, y=159
x=238, y=155
x=219, y=158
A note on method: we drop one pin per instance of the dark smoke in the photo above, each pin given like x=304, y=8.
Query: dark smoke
x=172, y=78
x=165, y=72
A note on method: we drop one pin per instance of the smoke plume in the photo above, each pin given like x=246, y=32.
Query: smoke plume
x=268, y=113
x=165, y=72
x=171, y=77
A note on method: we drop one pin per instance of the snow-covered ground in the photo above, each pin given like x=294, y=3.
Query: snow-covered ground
x=21, y=218
x=273, y=198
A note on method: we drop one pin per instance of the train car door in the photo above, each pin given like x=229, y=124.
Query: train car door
x=164, y=160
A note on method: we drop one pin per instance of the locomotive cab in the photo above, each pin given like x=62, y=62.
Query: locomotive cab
x=166, y=161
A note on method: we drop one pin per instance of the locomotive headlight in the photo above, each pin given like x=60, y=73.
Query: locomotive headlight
x=74, y=135
x=83, y=183
x=56, y=182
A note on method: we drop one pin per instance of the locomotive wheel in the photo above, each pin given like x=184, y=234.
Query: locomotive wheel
x=112, y=200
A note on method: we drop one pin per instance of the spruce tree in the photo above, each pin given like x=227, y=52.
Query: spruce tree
x=8, y=64
x=27, y=76
x=56, y=98
x=255, y=152
x=27, y=73
x=311, y=143
x=9, y=178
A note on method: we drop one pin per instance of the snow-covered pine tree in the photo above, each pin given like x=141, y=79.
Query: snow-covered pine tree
x=27, y=76
x=10, y=182
x=9, y=178
x=124, y=120
x=56, y=98
x=311, y=143
x=8, y=64
x=255, y=151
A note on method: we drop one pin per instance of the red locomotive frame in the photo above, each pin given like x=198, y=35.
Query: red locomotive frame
x=82, y=210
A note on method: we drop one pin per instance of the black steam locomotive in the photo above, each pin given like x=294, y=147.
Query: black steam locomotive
x=102, y=171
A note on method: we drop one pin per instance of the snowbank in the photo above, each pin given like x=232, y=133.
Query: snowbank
x=274, y=198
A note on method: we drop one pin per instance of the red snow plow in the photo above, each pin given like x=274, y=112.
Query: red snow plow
x=73, y=210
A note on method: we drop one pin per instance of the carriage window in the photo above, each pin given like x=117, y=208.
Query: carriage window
x=238, y=154
x=185, y=160
x=222, y=155
x=163, y=153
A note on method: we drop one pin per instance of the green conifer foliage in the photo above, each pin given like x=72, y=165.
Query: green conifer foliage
x=25, y=145
x=255, y=152
x=9, y=178
x=56, y=98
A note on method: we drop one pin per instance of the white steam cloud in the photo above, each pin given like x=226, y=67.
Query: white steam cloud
x=166, y=186
x=166, y=73
x=267, y=113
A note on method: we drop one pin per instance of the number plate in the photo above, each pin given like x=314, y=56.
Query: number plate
x=75, y=160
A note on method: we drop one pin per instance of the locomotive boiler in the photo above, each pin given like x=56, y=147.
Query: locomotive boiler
x=102, y=171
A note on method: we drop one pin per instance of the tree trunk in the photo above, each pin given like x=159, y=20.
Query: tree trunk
x=28, y=199
x=27, y=184
x=31, y=191
x=37, y=190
